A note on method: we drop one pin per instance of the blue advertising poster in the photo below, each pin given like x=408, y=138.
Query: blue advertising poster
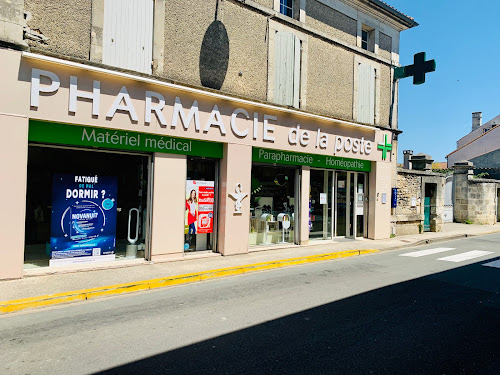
x=83, y=218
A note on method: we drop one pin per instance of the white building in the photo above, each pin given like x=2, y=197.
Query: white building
x=481, y=146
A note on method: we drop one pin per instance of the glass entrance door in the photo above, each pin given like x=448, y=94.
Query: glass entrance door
x=320, y=205
x=350, y=204
x=360, y=205
x=341, y=202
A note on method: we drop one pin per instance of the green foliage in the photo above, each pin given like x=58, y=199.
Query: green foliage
x=468, y=222
x=393, y=235
x=420, y=228
x=443, y=171
x=482, y=175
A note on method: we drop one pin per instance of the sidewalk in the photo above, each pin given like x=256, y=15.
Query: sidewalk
x=69, y=280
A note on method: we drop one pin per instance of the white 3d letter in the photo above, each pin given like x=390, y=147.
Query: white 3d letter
x=36, y=89
x=268, y=129
x=234, y=128
x=156, y=108
x=74, y=94
x=215, y=120
x=193, y=114
x=127, y=107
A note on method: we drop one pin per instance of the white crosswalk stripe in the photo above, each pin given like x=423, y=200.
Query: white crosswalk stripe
x=421, y=253
x=495, y=264
x=466, y=256
x=463, y=256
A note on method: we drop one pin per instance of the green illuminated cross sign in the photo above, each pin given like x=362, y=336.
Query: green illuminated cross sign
x=384, y=147
x=418, y=70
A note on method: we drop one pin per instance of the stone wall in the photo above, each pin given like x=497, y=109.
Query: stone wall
x=385, y=45
x=409, y=185
x=385, y=95
x=185, y=28
x=12, y=22
x=66, y=24
x=408, y=219
x=266, y=3
x=476, y=199
x=330, y=81
x=412, y=184
x=331, y=22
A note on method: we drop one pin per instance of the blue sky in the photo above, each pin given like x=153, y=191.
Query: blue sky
x=463, y=37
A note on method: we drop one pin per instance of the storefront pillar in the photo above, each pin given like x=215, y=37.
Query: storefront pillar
x=305, y=187
x=169, y=189
x=13, y=169
x=236, y=168
x=379, y=218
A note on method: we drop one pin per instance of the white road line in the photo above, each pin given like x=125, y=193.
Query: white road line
x=466, y=256
x=421, y=253
x=495, y=264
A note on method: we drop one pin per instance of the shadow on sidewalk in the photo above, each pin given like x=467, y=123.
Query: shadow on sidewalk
x=445, y=323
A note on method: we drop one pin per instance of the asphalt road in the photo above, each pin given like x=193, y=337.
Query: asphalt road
x=376, y=314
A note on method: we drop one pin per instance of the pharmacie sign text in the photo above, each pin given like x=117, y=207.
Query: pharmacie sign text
x=258, y=127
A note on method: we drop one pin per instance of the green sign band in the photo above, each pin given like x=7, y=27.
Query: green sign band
x=49, y=132
x=320, y=161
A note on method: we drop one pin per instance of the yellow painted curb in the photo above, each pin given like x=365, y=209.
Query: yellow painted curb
x=85, y=294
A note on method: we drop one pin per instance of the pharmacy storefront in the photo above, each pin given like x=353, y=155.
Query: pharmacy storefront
x=338, y=199
x=89, y=193
x=102, y=167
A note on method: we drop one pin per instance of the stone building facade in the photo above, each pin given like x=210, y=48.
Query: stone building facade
x=413, y=186
x=329, y=33
x=214, y=127
x=420, y=197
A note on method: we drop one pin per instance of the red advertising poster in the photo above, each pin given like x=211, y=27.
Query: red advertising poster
x=199, y=207
x=206, y=209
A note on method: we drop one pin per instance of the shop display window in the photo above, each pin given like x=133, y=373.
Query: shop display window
x=201, y=202
x=85, y=206
x=272, y=205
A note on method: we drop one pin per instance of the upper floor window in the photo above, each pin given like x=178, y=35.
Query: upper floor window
x=364, y=39
x=368, y=38
x=286, y=7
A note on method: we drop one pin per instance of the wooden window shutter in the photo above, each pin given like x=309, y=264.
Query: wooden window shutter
x=366, y=94
x=287, y=73
x=128, y=34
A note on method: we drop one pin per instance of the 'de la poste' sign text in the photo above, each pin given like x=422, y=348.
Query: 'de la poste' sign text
x=154, y=103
